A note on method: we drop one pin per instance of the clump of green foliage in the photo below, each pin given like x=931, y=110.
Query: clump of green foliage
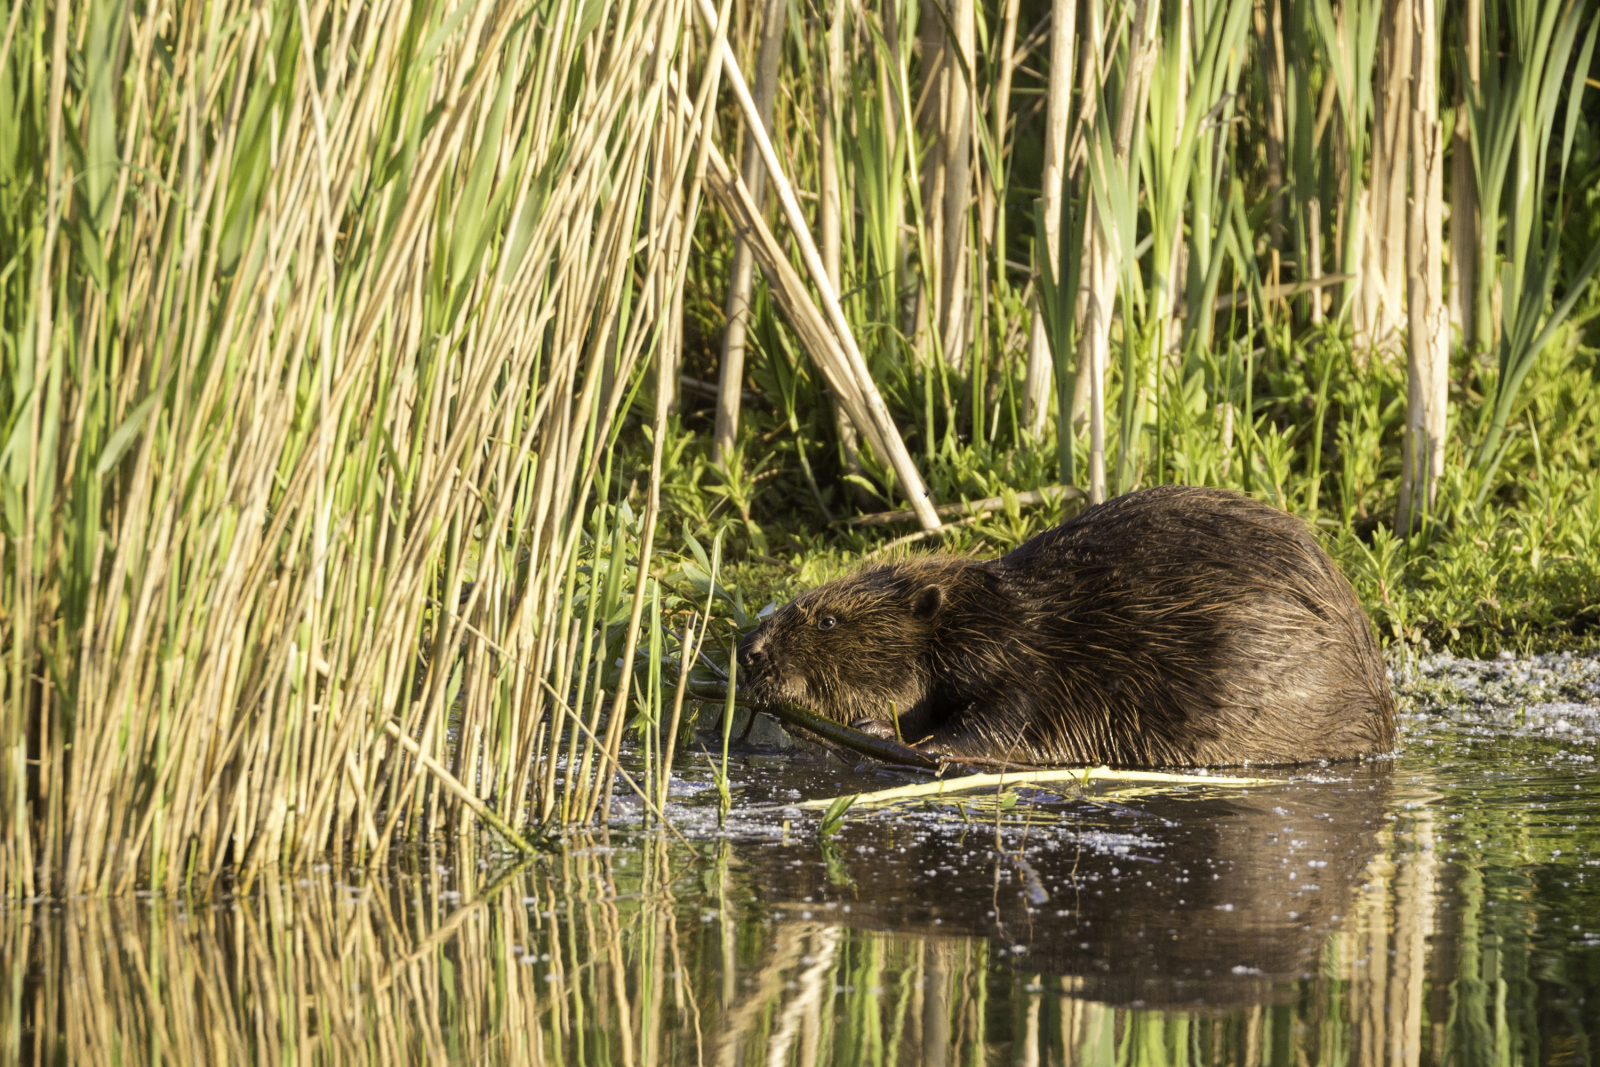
x=1508, y=559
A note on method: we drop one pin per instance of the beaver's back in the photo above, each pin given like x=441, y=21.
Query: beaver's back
x=1172, y=625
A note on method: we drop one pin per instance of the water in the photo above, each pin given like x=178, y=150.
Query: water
x=1442, y=908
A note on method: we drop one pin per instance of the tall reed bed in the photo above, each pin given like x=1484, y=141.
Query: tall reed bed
x=319, y=318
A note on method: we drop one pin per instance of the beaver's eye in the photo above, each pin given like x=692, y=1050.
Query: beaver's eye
x=827, y=622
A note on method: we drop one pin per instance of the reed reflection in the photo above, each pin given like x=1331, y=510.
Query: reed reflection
x=1280, y=926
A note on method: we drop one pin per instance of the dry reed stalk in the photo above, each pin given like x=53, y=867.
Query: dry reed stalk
x=1080, y=776
x=1090, y=68
x=730, y=371
x=991, y=202
x=1098, y=274
x=1275, y=60
x=1314, y=254
x=1381, y=309
x=1466, y=219
x=1061, y=496
x=1053, y=190
x=833, y=127
x=1428, y=368
x=948, y=119
x=1348, y=34
x=789, y=291
x=816, y=336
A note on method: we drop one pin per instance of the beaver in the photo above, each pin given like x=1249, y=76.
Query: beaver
x=1172, y=626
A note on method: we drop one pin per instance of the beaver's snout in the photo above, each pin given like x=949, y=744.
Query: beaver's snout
x=770, y=670
x=752, y=650
x=758, y=667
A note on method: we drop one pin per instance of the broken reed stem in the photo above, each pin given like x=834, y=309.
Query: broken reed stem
x=453, y=786
x=911, y=484
x=924, y=535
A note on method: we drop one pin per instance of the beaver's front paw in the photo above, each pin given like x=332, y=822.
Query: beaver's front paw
x=875, y=728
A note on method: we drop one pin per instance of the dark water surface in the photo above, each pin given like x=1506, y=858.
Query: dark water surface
x=1442, y=908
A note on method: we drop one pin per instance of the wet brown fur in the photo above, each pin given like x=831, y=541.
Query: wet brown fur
x=1173, y=626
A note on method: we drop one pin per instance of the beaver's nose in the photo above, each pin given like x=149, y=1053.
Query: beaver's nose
x=753, y=651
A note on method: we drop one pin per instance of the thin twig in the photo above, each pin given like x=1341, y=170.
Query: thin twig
x=1026, y=499
x=923, y=535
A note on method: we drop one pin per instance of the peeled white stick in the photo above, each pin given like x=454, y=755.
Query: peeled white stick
x=1080, y=775
x=910, y=479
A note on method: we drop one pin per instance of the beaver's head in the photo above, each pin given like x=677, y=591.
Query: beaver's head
x=859, y=648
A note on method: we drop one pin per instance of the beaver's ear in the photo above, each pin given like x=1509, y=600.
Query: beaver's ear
x=927, y=601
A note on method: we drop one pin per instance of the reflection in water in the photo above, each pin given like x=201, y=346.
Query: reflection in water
x=1435, y=912
x=1166, y=899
